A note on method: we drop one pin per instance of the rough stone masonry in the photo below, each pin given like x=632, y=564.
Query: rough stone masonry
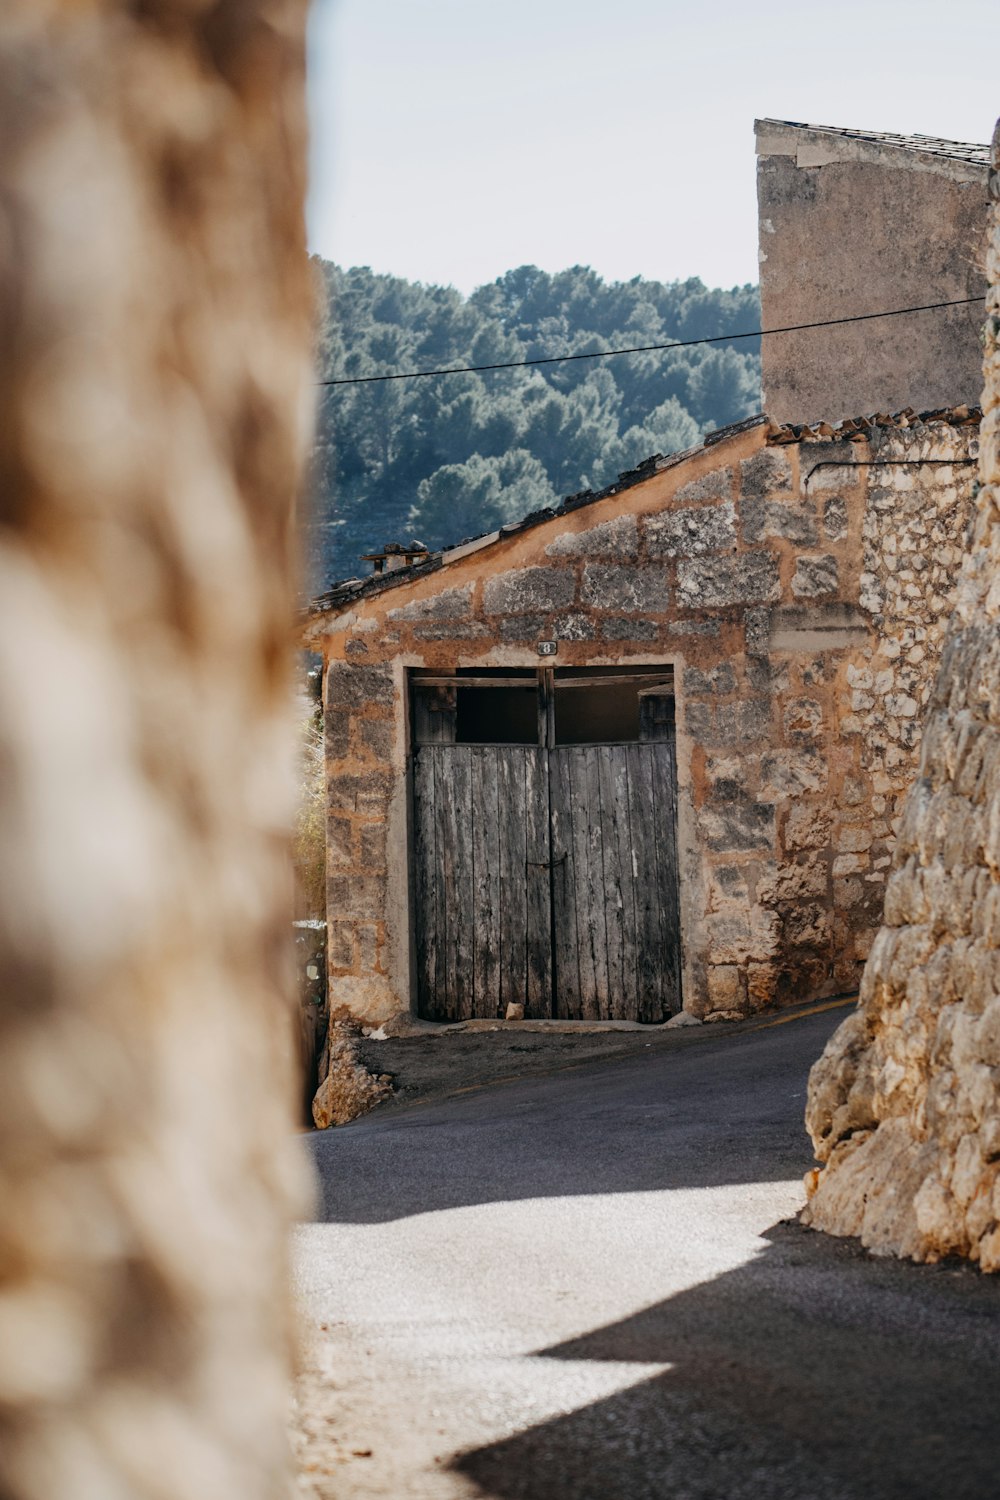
x=798, y=580
x=904, y=1105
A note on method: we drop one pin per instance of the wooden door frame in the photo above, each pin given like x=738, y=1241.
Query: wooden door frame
x=690, y=914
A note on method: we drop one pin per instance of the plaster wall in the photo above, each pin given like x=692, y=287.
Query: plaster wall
x=799, y=589
x=848, y=227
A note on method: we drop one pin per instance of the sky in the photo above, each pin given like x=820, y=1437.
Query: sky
x=453, y=140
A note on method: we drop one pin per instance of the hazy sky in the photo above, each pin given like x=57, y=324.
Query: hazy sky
x=455, y=139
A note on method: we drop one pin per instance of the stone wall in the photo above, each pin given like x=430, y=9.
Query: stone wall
x=156, y=380
x=796, y=581
x=904, y=1105
x=848, y=225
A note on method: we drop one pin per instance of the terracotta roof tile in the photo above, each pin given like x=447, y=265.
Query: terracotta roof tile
x=930, y=145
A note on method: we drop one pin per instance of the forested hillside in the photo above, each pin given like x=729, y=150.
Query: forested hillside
x=449, y=457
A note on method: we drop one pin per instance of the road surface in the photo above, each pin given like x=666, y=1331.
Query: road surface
x=589, y=1287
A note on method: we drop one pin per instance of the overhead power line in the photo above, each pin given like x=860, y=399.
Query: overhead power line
x=718, y=338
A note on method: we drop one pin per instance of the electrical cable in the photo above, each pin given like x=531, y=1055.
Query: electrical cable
x=718, y=338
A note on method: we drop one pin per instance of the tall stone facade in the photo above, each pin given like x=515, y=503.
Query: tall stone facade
x=797, y=580
x=155, y=376
x=854, y=221
x=904, y=1105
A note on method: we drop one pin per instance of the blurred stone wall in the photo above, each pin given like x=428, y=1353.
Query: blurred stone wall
x=156, y=391
x=904, y=1105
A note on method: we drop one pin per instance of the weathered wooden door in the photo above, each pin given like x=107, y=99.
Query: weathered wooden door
x=615, y=926
x=546, y=878
x=483, y=891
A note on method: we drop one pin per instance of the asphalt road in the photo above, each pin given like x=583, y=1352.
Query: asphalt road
x=589, y=1287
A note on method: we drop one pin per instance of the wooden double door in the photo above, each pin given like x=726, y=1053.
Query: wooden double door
x=548, y=878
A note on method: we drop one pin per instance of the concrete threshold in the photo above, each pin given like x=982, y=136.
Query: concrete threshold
x=403, y=1026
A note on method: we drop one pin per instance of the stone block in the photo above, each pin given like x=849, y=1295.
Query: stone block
x=717, y=582
x=815, y=576
x=817, y=628
x=766, y=473
x=377, y=737
x=336, y=733
x=372, y=846
x=341, y=852
x=699, y=722
x=357, y=896
x=352, y=685
x=741, y=824
x=575, y=628
x=444, y=630
x=849, y=864
x=807, y=826
x=727, y=775
x=640, y=590
x=762, y=985
x=779, y=884
x=807, y=927
x=450, y=604
x=527, y=590
x=617, y=538
x=853, y=839
x=802, y=719
x=691, y=533
x=370, y=947
x=693, y=627
x=625, y=629
x=354, y=649
x=728, y=937
x=725, y=987
x=791, y=773
x=340, y=945
x=770, y=518
x=716, y=485
x=360, y=791
x=525, y=629
x=835, y=518
x=757, y=623
x=720, y=680
x=729, y=884
x=747, y=722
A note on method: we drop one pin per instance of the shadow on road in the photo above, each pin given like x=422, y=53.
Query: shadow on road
x=812, y=1373
x=727, y=1113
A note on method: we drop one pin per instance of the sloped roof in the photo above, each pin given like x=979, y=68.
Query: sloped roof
x=852, y=429
x=928, y=145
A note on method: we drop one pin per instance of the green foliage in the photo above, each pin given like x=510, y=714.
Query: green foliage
x=445, y=458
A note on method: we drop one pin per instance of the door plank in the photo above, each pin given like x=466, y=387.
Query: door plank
x=614, y=901
x=461, y=907
x=566, y=947
x=538, y=934
x=444, y=839
x=424, y=872
x=513, y=888
x=618, y=882
x=650, y=954
x=595, y=936
x=668, y=887
x=486, y=873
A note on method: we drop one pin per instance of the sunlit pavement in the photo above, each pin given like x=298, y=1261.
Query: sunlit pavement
x=581, y=1286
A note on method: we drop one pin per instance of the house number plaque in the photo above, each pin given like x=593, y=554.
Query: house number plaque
x=548, y=648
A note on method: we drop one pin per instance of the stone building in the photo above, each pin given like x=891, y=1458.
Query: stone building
x=646, y=750
x=855, y=221
x=904, y=1105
